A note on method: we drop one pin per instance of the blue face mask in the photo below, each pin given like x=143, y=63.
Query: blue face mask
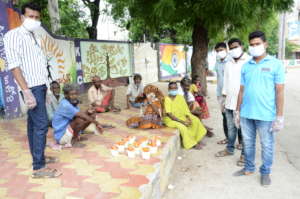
x=173, y=92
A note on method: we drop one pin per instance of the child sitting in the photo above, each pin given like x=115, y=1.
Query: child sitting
x=68, y=121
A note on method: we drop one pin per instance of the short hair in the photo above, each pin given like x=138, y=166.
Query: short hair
x=172, y=83
x=257, y=34
x=69, y=87
x=194, y=78
x=54, y=82
x=32, y=6
x=231, y=41
x=220, y=45
x=137, y=76
x=185, y=81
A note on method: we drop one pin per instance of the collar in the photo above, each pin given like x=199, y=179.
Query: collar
x=266, y=58
x=224, y=60
x=23, y=30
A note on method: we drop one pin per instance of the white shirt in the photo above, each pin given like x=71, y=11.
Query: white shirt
x=24, y=50
x=190, y=96
x=133, y=91
x=232, y=81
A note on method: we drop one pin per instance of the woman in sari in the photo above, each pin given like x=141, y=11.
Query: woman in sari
x=152, y=113
x=179, y=116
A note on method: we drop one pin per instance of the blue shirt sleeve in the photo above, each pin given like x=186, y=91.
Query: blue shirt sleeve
x=68, y=110
x=279, y=73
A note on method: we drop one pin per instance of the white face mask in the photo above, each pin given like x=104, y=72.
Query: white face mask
x=257, y=51
x=236, y=52
x=221, y=54
x=31, y=24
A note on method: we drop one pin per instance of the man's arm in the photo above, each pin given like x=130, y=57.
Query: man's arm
x=279, y=99
x=240, y=98
x=17, y=73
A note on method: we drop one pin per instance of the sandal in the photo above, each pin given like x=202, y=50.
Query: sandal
x=108, y=126
x=209, y=134
x=46, y=173
x=223, y=153
x=50, y=159
x=225, y=141
x=241, y=161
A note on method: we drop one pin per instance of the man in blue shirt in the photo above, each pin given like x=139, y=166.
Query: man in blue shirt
x=222, y=58
x=68, y=121
x=260, y=105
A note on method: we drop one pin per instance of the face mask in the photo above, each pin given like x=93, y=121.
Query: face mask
x=221, y=54
x=31, y=24
x=173, y=92
x=236, y=52
x=257, y=51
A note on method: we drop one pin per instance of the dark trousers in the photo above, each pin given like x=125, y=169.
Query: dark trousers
x=225, y=125
x=37, y=127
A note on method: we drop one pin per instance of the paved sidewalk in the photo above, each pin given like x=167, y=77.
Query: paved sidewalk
x=200, y=175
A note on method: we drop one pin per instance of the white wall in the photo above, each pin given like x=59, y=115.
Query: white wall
x=145, y=62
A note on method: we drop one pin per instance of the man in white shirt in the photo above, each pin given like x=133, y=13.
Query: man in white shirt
x=135, y=90
x=28, y=64
x=231, y=86
x=101, y=97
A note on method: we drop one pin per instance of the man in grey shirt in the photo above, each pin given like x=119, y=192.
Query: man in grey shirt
x=222, y=58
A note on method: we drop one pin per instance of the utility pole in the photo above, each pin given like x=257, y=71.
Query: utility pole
x=281, y=46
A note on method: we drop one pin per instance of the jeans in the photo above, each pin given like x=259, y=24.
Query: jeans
x=225, y=125
x=37, y=127
x=232, y=131
x=249, y=129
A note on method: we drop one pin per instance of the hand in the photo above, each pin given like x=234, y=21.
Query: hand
x=188, y=121
x=236, y=118
x=277, y=124
x=29, y=99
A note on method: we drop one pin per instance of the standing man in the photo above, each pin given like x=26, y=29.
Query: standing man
x=28, y=65
x=231, y=87
x=260, y=104
x=222, y=58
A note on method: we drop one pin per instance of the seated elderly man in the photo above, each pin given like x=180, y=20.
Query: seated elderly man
x=101, y=97
x=53, y=99
x=68, y=121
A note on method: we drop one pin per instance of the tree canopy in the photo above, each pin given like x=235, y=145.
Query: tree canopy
x=205, y=20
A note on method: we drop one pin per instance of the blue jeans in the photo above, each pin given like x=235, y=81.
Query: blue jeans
x=232, y=132
x=249, y=129
x=37, y=127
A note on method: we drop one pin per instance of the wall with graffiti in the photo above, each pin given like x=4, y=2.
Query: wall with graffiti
x=61, y=57
x=106, y=59
x=172, y=61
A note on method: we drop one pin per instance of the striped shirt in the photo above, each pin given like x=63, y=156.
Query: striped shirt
x=24, y=50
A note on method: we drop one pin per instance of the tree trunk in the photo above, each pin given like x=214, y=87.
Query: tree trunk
x=199, y=57
x=94, y=7
x=54, y=15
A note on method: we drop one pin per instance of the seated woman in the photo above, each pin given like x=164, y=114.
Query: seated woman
x=134, y=91
x=195, y=89
x=194, y=106
x=152, y=114
x=178, y=115
x=68, y=121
